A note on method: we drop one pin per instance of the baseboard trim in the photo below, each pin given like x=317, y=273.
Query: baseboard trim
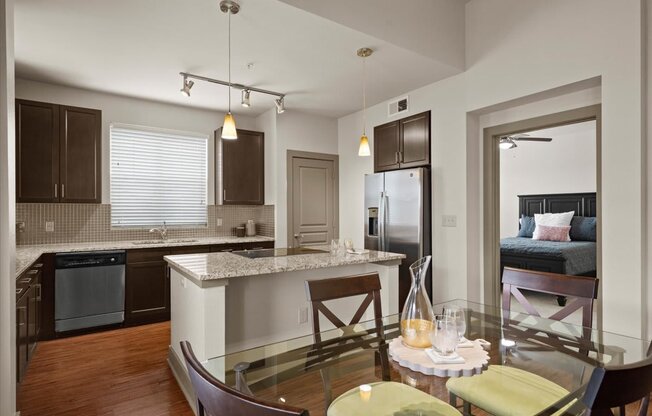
x=181, y=375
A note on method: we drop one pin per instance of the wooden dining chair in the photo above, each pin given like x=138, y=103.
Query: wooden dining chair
x=324, y=290
x=215, y=398
x=616, y=387
x=583, y=289
x=527, y=392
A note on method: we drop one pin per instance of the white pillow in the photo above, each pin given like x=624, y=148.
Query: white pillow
x=562, y=219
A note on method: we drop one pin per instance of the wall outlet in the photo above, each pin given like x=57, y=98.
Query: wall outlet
x=303, y=315
x=49, y=226
x=20, y=226
x=449, y=220
x=219, y=222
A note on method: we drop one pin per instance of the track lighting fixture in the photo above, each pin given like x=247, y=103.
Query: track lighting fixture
x=280, y=105
x=246, y=102
x=187, y=85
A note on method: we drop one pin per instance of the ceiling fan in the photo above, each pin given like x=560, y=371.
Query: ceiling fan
x=509, y=142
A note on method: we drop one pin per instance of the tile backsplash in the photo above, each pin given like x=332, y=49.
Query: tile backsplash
x=78, y=223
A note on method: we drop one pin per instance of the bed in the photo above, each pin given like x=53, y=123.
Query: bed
x=573, y=257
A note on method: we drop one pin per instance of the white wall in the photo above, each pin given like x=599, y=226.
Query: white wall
x=518, y=58
x=121, y=109
x=7, y=212
x=566, y=164
x=304, y=132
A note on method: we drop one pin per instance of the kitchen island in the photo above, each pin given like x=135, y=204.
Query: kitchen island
x=226, y=302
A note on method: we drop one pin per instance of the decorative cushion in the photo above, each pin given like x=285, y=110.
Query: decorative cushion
x=527, y=227
x=550, y=233
x=583, y=229
x=390, y=399
x=556, y=220
x=507, y=391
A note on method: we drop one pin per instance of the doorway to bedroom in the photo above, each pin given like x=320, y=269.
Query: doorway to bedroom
x=542, y=187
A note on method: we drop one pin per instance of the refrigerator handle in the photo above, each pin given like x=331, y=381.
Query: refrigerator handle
x=381, y=223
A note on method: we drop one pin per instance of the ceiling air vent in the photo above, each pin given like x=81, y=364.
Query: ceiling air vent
x=396, y=107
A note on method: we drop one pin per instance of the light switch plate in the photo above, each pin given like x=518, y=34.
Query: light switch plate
x=49, y=226
x=219, y=222
x=303, y=315
x=449, y=220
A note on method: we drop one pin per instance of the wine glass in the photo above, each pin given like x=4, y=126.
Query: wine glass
x=444, y=335
x=335, y=247
x=456, y=313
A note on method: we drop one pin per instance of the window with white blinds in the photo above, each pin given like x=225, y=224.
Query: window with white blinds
x=158, y=175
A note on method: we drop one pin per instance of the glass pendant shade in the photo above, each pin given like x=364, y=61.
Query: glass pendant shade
x=364, y=150
x=417, y=315
x=228, y=129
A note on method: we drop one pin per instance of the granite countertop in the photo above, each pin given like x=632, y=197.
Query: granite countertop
x=215, y=266
x=27, y=255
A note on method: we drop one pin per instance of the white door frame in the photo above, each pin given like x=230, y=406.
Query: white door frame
x=291, y=154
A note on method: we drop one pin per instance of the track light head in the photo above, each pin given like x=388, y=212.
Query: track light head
x=246, y=101
x=280, y=105
x=187, y=85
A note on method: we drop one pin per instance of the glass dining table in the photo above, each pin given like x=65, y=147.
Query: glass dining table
x=310, y=375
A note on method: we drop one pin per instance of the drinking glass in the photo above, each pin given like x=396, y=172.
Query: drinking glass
x=348, y=244
x=456, y=313
x=335, y=247
x=444, y=335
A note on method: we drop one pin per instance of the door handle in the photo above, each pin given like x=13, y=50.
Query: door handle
x=381, y=222
x=63, y=191
x=56, y=187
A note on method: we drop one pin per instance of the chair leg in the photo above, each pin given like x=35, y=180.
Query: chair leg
x=328, y=394
x=200, y=409
x=467, y=409
x=452, y=400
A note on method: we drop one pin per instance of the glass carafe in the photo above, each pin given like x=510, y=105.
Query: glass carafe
x=416, y=318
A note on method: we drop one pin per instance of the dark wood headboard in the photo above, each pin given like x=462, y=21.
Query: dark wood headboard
x=584, y=204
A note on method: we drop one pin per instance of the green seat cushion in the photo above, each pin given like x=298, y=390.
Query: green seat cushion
x=507, y=391
x=390, y=399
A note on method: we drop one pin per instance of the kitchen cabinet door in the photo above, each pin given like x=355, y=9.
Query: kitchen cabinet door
x=386, y=146
x=415, y=140
x=37, y=152
x=80, y=154
x=32, y=320
x=147, y=293
x=240, y=168
x=22, y=338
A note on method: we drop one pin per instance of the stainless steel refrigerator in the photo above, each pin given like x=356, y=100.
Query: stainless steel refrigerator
x=397, y=219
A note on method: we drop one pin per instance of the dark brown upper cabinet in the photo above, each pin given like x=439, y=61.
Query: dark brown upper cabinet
x=58, y=153
x=240, y=168
x=402, y=143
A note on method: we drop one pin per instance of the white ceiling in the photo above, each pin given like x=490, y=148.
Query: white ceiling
x=138, y=47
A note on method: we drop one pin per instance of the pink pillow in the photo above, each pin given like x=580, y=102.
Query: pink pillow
x=551, y=233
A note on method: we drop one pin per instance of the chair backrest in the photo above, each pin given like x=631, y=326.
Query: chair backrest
x=216, y=398
x=322, y=290
x=584, y=289
x=617, y=386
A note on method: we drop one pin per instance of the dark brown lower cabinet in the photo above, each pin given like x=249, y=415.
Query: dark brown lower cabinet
x=21, y=336
x=147, y=293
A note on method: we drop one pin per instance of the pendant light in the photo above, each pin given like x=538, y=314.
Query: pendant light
x=363, y=149
x=228, y=128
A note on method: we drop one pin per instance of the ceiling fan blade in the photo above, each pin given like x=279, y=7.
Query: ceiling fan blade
x=532, y=139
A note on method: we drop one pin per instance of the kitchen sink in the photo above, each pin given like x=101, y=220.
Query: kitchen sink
x=175, y=241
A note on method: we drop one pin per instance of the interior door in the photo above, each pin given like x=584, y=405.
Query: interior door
x=313, y=202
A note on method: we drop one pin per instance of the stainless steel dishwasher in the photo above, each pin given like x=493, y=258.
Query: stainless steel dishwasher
x=89, y=290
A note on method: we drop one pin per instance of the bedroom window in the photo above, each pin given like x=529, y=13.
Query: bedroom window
x=158, y=175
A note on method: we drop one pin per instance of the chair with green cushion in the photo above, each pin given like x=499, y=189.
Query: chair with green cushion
x=507, y=391
x=389, y=398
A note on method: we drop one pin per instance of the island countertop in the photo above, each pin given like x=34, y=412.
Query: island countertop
x=214, y=266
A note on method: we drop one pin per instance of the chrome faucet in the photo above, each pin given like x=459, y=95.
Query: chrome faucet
x=163, y=232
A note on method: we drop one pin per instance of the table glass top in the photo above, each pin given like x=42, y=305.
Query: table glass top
x=309, y=374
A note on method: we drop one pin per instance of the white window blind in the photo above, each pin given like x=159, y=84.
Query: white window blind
x=156, y=176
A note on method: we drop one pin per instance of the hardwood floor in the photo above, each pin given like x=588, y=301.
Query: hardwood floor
x=125, y=372
x=120, y=372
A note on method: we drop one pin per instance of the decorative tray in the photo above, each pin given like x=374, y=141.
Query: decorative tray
x=475, y=357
